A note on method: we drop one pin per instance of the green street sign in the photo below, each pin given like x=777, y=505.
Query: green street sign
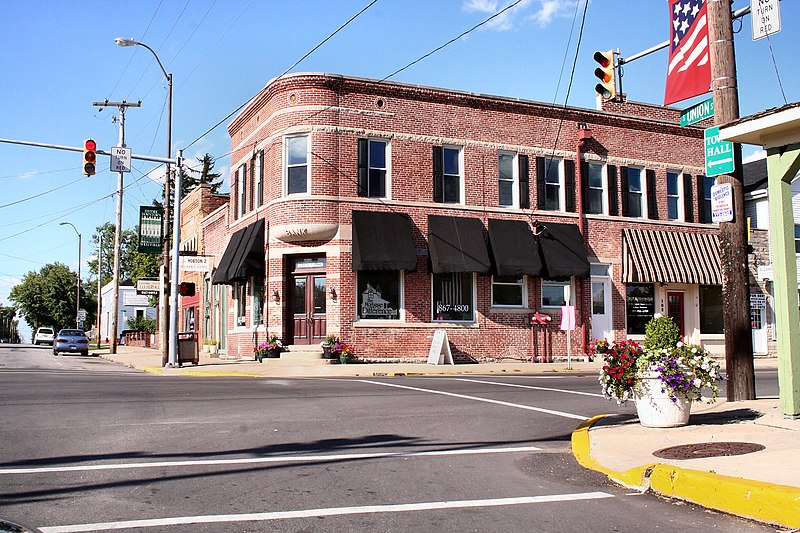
x=719, y=154
x=698, y=112
x=150, y=236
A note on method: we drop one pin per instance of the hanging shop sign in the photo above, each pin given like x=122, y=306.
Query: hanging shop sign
x=150, y=235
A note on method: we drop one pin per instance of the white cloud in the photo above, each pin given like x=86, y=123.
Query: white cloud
x=755, y=156
x=547, y=11
x=552, y=9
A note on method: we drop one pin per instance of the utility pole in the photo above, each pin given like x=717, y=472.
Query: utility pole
x=99, y=284
x=733, y=235
x=118, y=229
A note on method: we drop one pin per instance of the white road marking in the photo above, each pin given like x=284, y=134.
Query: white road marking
x=273, y=459
x=478, y=399
x=501, y=384
x=330, y=511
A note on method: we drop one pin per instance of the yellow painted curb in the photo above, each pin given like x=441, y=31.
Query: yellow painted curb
x=766, y=502
x=198, y=373
x=581, y=448
x=152, y=369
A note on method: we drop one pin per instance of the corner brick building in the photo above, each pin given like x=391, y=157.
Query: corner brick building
x=380, y=212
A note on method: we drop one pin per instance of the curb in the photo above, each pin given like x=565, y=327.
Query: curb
x=765, y=502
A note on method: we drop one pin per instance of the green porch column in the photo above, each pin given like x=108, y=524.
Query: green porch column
x=782, y=165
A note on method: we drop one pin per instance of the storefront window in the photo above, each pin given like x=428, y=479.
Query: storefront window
x=240, y=294
x=453, y=297
x=508, y=291
x=554, y=293
x=711, y=309
x=258, y=300
x=640, y=305
x=378, y=295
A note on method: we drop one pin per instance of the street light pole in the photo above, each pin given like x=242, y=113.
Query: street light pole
x=78, y=290
x=163, y=300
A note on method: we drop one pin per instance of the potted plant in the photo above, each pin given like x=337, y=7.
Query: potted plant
x=345, y=353
x=270, y=349
x=327, y=347
x=212, y=346
x=663, y=378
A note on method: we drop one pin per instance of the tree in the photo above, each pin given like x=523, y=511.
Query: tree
x=8, y=326
x=205, y=174
x=133, y=264
x=45, y=297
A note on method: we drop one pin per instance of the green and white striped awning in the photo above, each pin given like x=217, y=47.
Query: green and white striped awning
x=651, y=256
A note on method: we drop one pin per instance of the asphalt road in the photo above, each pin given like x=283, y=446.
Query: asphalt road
x=87, y=445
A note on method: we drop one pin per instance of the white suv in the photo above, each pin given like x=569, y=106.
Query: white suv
x=44, y=336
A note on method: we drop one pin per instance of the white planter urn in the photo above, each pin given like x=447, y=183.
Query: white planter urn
x=656, y=409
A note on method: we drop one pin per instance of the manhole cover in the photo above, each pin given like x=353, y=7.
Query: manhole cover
x=707, y=449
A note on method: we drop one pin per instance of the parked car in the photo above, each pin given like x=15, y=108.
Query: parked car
x=72, y=341
x=43, y=336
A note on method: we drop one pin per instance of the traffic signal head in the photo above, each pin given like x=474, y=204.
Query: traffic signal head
x=89, y=157
x=186, y=289
x=607, y=88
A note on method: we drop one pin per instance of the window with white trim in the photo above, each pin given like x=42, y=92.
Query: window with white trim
x=555, y=293
x=259, y=177
x=379, y=295
x=240, y=304
x=509, y=291
x=378, y=168
x=596, y=185
x=257, y=299
x=242, y=190
x=706, y=211
x=507, y=179
x=674, y=196
x=452, y=174
x=637, y=206
x=296, y=157
x=454, y=297
x=553, y=184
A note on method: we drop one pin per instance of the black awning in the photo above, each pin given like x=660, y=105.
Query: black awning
x=382, y=241
x=457, y=245
x=243, y=257
x=514, y=248
x=563, y=253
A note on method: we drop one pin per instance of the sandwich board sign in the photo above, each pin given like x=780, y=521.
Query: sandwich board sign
x=440, y=349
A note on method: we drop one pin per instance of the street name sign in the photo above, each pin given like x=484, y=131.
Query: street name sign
x=721, y=203
x=719, y=154
x=196, y=263
x=766, y=17
x=696, y=113
x=120, y=159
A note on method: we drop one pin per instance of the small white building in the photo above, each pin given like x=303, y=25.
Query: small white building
x=131, y=305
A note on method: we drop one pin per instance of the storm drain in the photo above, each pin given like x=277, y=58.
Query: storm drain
x=707, y=449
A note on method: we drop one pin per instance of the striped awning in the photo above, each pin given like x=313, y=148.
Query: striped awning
x=650, y=256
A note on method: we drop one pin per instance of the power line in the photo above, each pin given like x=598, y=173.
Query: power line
x=15, y=202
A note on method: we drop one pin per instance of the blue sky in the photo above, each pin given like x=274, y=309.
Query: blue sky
x=59, y=57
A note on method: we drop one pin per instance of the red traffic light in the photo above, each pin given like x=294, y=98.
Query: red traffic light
x=90, y=145
x=89, y=157
x=186, y=289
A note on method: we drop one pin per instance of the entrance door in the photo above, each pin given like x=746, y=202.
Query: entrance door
x=759, y=330
x=308, y=305
x=601, y=308
x=675, y=309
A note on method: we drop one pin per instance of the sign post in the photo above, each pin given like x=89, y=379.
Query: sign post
x=719, y=154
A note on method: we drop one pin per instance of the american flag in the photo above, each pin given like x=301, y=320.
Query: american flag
x=689, y=71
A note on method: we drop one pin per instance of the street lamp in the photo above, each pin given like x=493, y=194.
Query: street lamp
x=163, y=304
x=78, y=291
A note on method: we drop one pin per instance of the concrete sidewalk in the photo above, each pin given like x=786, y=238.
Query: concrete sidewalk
x=763, y=485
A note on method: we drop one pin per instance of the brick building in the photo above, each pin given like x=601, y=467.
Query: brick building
x=380, y=212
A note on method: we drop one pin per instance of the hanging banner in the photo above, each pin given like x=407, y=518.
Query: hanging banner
x=150, y=236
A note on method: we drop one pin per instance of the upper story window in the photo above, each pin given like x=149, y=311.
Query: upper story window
x=296, y=158
x=797, y=238
x=674, y=196
x=553, y=184
x=242, y=190
x=258, y=176
x=373, y=157
x=507, y=188
x=235, y=194
x=595, y=203
x=634, y=194
x=706, y=199
x=447, y=174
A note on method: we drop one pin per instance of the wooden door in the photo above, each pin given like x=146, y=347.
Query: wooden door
x=675, y=309
x=308, y=308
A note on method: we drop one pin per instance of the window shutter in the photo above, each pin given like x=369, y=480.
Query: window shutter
x=687, y=198
x=235, y=194
x=652, y=201
x=252, y=183
x=613, y=196
x=363, y=167
x=524, y=182
x=569, y=185
x=585, y=185
x=623, y=174
x=243, y=171
x=438, y=174
x=540, y=182
x=702, y=216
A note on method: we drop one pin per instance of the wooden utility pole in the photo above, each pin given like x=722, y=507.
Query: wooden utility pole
x=733, y=235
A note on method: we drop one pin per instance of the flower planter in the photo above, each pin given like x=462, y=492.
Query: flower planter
x=327, y=353
x=273, y=354
x=656, y=409
x=344, y=359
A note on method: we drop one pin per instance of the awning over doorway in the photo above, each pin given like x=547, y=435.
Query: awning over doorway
x=514, y=248
x=651, y=256
x=243, y=257
x=563, y=253
x=382, y=241
x=457, y=245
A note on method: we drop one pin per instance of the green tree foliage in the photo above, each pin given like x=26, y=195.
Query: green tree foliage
x=134, y=265
x=8, y=325
x=47, y=297
x=202, y=173
x=142, y=323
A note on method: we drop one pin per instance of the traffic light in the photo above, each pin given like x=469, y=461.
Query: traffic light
x=186, y=289
x=607, y=88
x=89, y=157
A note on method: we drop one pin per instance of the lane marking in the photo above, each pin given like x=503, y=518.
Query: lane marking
x=330, y=511
x=276, y=459
x=501, y=384
x=479, y=399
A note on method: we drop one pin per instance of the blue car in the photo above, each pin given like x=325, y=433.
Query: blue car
x=72, y=341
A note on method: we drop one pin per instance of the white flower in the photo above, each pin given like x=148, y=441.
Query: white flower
x=681, y=344
x=694, y=350
x=657, y=315
x=697, y=383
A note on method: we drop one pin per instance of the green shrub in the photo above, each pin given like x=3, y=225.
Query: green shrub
x=142, y=323
x=661, y=332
